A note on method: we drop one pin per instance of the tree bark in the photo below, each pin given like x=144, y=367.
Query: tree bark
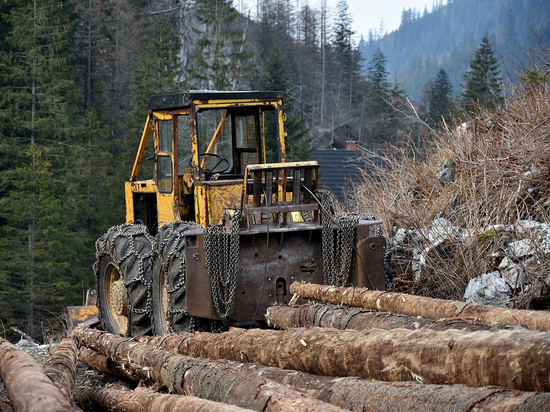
x=103, y=363
x=363, y=395
x=338, y=317
x=29, y=388
x=421, y=306
x=218, y=382
x=61, y=366
x=147, y=400
x=512, y=359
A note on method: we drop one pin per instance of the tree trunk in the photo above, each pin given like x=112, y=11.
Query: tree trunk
x=218, y=382
x=338, y=317
x=421, y=306
x=147, y=400
x=29, y=388
x=61, y=366
x=103, y=363
x=363, y=395
x=517, y=359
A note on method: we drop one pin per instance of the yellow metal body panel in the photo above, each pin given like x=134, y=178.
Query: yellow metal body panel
x=141, y=149
x=222, y=196
x=75, y=315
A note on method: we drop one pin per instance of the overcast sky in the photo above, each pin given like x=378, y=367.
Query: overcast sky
x=366, y=13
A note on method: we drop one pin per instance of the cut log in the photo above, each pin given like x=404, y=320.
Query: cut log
x=512, y=359
x=61, y=366
x=421, y=306
x=29, y=388
x=147, y=400
x=103, y=363
x=338, y=317
x=206, y=379
x=376, y=396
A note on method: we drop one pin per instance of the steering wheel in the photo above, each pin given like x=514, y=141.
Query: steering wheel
x=211, y=170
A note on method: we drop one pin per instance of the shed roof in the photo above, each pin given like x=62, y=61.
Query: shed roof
x=338, y=168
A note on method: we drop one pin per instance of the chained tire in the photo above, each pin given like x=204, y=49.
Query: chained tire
x=168, y=287
x=124, y=260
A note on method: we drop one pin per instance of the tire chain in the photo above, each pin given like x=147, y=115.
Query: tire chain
x=337, y=258
x=175, y=232
x=221, y=248
x=105, y=245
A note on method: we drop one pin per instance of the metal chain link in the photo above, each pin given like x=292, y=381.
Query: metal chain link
x=221, y=248
x=105, y=245
x=175, y=252
x=337, y=258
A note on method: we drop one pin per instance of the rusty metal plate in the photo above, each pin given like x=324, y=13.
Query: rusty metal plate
x=268, y=264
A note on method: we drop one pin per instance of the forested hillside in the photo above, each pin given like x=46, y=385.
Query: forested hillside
x=448, y=36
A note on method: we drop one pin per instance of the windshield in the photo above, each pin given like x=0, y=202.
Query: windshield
x=214, y=136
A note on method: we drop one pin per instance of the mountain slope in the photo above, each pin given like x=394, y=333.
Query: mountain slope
x=449, y=35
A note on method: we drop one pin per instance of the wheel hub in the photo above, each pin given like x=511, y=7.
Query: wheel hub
x=119, y=298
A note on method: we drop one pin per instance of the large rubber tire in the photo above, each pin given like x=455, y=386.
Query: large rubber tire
x=168, y=287
x=124, y=260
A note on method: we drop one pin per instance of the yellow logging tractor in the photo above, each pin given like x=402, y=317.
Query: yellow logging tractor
x=218, y=234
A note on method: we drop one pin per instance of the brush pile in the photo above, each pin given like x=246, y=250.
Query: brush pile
x=467, y=216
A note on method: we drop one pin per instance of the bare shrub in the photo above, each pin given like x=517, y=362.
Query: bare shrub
x=501, y=165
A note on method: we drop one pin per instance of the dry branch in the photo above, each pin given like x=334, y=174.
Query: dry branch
x=375, y=396
x=61, y=366
x=29, y=388
x=147, y=400
x=208, y=380
x=516, y=359
x=338, y=317
x=421, y=306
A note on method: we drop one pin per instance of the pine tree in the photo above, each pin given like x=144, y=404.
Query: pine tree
x=41, y=239
x=439, y=99
x=219, y=58
x=483, y=79
x=376, y=70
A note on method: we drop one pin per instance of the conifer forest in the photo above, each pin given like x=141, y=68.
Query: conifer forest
x=76, y=76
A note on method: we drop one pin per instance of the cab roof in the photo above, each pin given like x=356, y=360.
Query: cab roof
x=178, y=100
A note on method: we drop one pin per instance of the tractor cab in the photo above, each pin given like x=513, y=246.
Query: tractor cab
x=203, y=141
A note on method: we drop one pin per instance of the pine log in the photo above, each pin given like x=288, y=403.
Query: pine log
x=412, y=305
x=514, y=359
x=103, y=363
x=338, y=317
x=28, y=386
x=376, y=396
x=147, y=400
x=205, y=379
x=362, y=395
x=61, y=366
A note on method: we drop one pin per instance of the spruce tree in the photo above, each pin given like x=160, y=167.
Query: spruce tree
x=218, y=59
x=376, y=70
x=483, y=79
x=40, y=178
x=439, y=99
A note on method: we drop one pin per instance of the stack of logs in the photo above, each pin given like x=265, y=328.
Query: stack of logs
x=351, y=353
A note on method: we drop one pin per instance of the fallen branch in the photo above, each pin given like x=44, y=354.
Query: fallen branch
x=338, y=317
x=61, y=366
x=29, y=388
x=421, y=306
x=206, y=379
x=29, y=339
x=515, y=359
x=147, y=400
